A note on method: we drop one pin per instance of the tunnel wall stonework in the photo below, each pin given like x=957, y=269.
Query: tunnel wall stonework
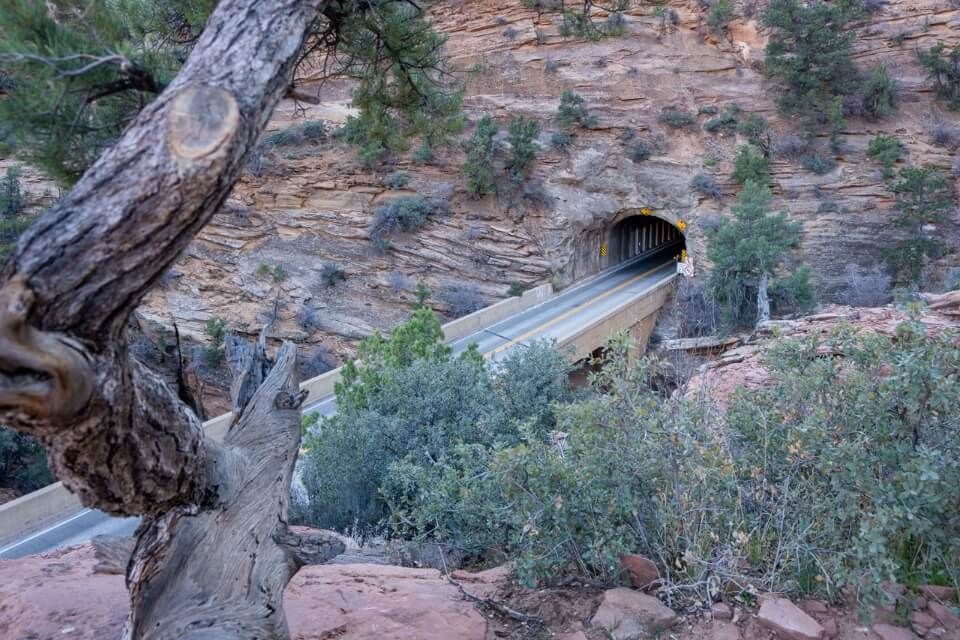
x=586, y=259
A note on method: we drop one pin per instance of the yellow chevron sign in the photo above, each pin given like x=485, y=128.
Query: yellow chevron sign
x=603, y=250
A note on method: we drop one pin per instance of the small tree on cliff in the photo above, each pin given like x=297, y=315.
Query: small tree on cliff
x=213, y=554
x=746, y=253
x=810, y=55
x=924, y=200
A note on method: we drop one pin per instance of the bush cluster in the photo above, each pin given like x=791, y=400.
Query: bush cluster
x=943, y=67
x=314, y=131
x=410, y=402
x=886, y=150
x=725, y=122
x=523, y=134
x=750, y=164
x=720, y=14
x=332, y=273
x=573, y=112
x=401, y=215
x=215, y=350
x=706, y=185
x=810, y=56
x=481, y=148
x=842, y=473
x=923, y=198
x=23, y=462
x=677, y=118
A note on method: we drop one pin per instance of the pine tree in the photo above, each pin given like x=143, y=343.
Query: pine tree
x=746, y=252
x=478, y=169
x=79, y=72
x=923, y=198
x=523, y=149
x=810, y=54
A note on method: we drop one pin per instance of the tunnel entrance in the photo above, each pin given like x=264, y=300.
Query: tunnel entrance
x=642, y=235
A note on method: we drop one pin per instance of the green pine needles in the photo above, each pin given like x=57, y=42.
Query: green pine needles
x=405, y=92
x=810, y=55
x=478, y=168
x=78, y=71
x=747, y=248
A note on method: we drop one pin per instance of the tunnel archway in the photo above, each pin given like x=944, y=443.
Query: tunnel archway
x=642, y=235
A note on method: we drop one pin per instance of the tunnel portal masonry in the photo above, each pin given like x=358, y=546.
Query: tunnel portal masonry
x=631, y=234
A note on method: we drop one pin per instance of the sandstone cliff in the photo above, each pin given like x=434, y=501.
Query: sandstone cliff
x=313, y=205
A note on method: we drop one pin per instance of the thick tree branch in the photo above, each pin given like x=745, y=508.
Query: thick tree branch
x=116, y=434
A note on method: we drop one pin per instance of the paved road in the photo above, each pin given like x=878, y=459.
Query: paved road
x=558, y=318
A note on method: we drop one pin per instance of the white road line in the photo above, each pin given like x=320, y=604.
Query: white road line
x=45, y=531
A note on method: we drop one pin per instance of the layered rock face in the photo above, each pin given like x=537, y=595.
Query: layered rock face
x=314, y=204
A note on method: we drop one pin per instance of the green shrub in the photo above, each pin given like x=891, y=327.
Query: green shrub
x=10, y=231
x=561, y=140
x=516, y=289
x=886, y=150
x=641, y=151
x=924, y=198
x=809, y=55
x=12, y=199
x=756, y=129
x=725, y=122
x=276, y=272
x=573, y=112
x=214, y=352
x=397, y=180
x=523, y=133
x=818, y=162
x=410, y=402
x=879, y=94
x=750, y=164
x=331, y=274
x=298, y=134
x=719, y=16
x=400, y=215
x=23, y=462
x=794, y=292
x=676, y=118
x=706, y=185
x=478, y=168
x=839, y=475
x=423, y=154
x=943, y=67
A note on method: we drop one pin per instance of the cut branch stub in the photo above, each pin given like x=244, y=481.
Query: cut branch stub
x=202, y=119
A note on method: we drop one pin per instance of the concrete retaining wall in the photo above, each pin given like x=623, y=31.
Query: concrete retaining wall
x=488, y=316
x=52, y=504
x=624, y=317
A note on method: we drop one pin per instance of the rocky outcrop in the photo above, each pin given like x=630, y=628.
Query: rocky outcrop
x=788, y=620
x=312, y=207
x=630, y=615
x=59, y=596
x=742, y=366
x=306, y=207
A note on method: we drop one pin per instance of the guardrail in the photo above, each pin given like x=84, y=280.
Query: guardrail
x=34, y=511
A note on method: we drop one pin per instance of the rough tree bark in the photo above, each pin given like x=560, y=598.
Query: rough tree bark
x=214, y=553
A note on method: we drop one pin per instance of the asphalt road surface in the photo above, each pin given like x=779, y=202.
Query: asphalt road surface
x=556, y=319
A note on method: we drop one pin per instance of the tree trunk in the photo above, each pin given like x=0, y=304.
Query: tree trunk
x=763, y=298
x=213, y=554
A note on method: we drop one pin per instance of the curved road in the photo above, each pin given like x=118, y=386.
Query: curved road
x=556, y=319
